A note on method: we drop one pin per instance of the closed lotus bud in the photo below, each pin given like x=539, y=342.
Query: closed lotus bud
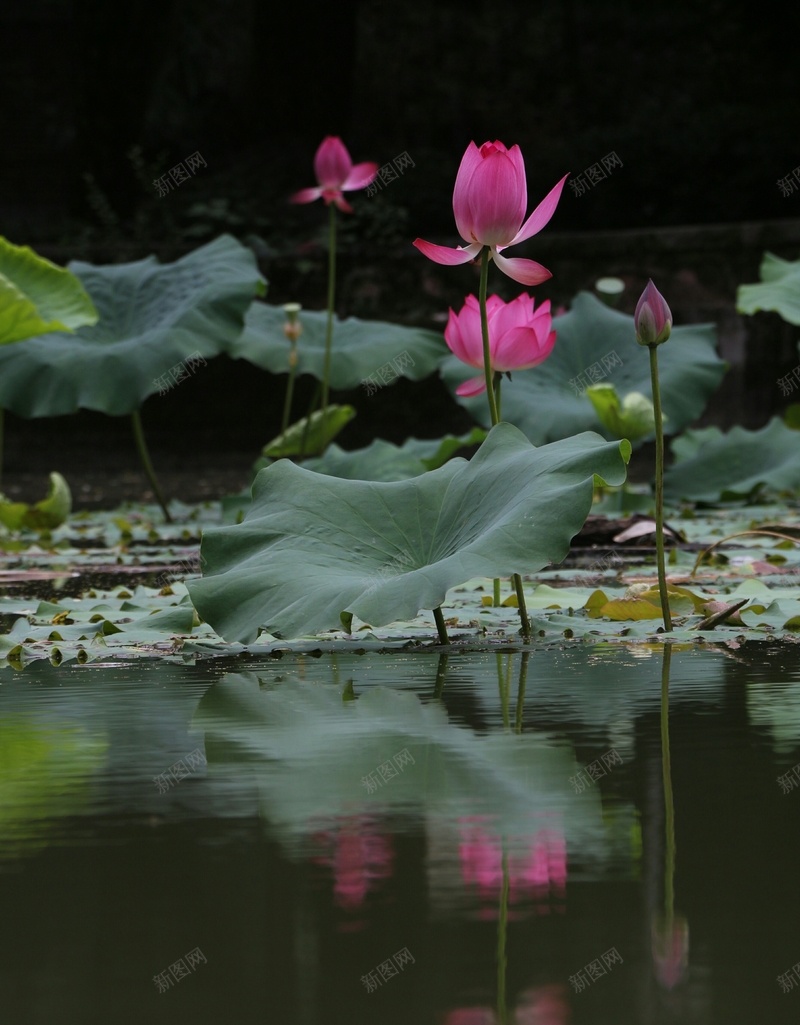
x=652, y=318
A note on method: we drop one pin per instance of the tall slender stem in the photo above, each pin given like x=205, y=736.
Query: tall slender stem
x=487, y=352
x=144, y=455
x=438, y=618
x=662, y=574
x=287, y=405
x=2, y=438
x=326, y=370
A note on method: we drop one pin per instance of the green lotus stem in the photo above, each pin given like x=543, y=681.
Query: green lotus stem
x=669, y=804
x=287, y=405
x=662, y=575
x=144, y=455
x=502, y=929
x=487, y=355
x=2, y=437
x=487, y=370
x=440, y=625
x=311, y=408
x=523, y=608
x=326, y=369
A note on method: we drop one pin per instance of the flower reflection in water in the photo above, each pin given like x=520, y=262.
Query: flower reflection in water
x=360, y=858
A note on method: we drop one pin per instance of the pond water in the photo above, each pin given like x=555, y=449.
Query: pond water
x=405, y=838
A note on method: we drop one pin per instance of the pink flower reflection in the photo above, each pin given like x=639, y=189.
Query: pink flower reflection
x=536, y=871
x=359, y=856
x=544, y=1005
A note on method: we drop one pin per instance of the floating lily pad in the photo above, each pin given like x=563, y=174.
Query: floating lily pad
x=314, y=550
x=37, y=297
x=153, y=317
x=361, y=348
x=600, y=343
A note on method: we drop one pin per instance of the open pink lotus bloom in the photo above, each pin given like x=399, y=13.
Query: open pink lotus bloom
x=519, y=336
x=336, y=173
x=489, y=202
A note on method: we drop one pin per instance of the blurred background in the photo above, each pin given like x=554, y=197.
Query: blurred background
x=696, y=101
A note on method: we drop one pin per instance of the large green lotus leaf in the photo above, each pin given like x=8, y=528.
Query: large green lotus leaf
x=712, y=466
x=779, y=289
x=36, y=296
x=313, y=549
x=153, y=316
x=314, y=757
x=545, y=406
x=360, y=349
x=384, y=461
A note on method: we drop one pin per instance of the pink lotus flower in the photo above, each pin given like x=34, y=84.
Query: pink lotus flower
x=489, y=203
x=519, y=337
x=336, y=173
x=653, y=318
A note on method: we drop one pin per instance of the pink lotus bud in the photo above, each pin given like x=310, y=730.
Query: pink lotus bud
x=652, y=318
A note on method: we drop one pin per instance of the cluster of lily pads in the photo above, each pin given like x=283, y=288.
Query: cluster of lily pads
x=333, y=542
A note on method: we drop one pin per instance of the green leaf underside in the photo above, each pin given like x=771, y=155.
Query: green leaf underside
x=545, y=406
x=152, y=318
x=312, y=547
x=778, y=290
x=37, y=296
x=47, y=514
x=310, y=434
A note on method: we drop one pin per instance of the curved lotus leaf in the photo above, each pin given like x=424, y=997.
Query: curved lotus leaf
x=314, y=550
x=384, y=461
x=632, y=417
x=153, y=317
x=36, y=296
x=599, y=343
x=361, y=348
x=310, y=434
x=778, y=290
x=47, y=514
x=712, y=466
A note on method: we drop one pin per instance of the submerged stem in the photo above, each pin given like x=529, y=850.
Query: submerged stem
x=144, y=455
x=662, y=574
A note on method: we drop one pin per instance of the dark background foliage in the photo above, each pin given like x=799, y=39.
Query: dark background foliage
x=697, y=100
